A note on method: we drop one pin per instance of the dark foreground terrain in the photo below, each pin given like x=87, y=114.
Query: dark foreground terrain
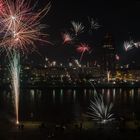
x=42, y=131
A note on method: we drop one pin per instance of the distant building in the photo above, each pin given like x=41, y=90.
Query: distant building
x=108, y=48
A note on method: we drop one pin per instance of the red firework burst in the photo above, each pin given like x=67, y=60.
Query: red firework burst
x=67, y=38
x=1, y=6
x=82, y=48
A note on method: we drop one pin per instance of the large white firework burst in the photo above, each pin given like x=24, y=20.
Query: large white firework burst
x=100, y=111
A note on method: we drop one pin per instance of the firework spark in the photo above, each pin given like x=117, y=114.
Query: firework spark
x=128, y=45
x=137, y=44
x=67, y=38
x=15, y=76
x=93, y=24
x=77, y=27
x=99, y=111
x=1, y=6
x=20, y=28
x=82, y=48
x=21, y=25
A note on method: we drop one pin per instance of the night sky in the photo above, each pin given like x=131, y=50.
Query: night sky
x=122, y=20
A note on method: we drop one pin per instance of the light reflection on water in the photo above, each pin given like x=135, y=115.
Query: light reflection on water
x=54, y=96
x=114, y=94
x=74, y=95
x=56, y=104
x=61, y=95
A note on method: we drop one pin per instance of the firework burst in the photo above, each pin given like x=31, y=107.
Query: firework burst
x=67, y=38
x=15, y=76
x=1, y=6
x=77, y=27
x=20, y=28
x=137, y=44
x=82, y=48
x=99, y=111
x=128, y=45
x=93, y=24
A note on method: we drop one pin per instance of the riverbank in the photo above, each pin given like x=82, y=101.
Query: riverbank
x=63, y=85
x=74, y=131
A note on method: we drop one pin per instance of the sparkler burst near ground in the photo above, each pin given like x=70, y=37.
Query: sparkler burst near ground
x=100, y=111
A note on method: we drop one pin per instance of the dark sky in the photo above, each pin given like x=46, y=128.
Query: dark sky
x=121, y=19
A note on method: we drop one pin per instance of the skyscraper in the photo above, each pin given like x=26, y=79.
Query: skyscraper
x=108, y=49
